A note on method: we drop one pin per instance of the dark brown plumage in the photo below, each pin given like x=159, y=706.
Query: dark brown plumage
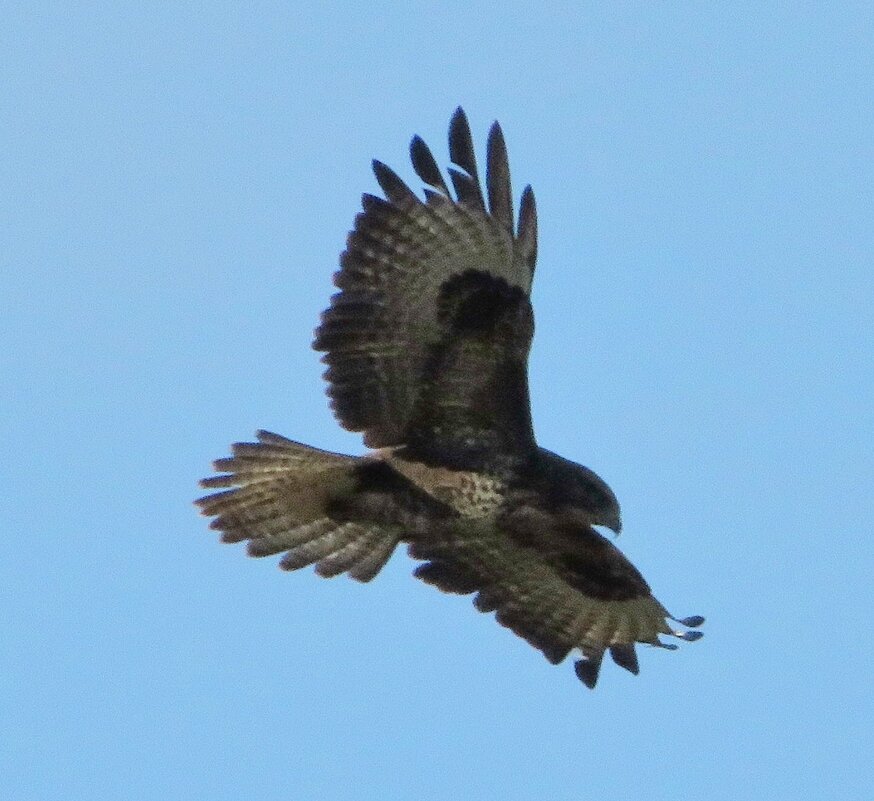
x=427, y=349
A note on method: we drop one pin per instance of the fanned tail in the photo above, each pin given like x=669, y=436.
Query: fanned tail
x=277, y=494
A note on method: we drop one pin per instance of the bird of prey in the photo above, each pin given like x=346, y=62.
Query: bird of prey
x=426, y=345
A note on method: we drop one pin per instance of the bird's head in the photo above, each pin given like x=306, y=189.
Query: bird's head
x=571, y=485
x=597, y=497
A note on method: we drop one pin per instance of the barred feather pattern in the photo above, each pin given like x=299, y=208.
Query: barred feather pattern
x=427, y=346
x=380, y=328
x=276, y=495
x=529, y=596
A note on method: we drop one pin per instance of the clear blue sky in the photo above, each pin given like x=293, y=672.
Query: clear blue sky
x=176, y=183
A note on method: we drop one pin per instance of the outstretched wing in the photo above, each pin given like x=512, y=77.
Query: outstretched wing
x=431, y=328
x=557, y=586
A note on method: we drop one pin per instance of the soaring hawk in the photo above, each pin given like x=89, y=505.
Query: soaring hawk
x=427, y=345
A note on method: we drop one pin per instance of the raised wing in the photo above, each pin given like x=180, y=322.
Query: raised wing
x=556, y=584
x=430, y=331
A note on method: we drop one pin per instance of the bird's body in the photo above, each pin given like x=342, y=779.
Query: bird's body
x=427, y=347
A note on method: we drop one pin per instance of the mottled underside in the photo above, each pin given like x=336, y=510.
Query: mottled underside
x=427, y=346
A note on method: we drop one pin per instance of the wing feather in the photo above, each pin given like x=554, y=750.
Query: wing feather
x=533, y=592
x=462, y=153
x=426, y=345
x=425, y=165
x=397, y=192
x=526, y=234
x=498, y=179
x=380, y=331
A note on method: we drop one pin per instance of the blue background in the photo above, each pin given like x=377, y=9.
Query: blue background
x=176, y=182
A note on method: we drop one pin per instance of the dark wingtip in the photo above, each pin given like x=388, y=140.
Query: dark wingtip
x=382, y=172
x=587, y=671
x=692, y=622
x=459, y=127
x=626, y=657
x=395, y=189
x=526, y=227
x=458, y=118
x=461, y=152
x=498, y=179
x=425, y=165
x=461, y=143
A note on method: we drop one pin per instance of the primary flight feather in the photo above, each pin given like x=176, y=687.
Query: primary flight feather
x=427, y=347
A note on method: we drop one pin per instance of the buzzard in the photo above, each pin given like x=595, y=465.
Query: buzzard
x=426, y=346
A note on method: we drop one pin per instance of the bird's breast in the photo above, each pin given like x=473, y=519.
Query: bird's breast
x=471, y=494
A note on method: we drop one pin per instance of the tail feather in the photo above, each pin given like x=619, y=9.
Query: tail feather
x=363, y=548
x=333, y=541
x=292, y=538
x=277, y=494
x=373, y=559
